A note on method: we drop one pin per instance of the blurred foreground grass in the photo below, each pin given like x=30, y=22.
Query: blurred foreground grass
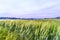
x=29, y=30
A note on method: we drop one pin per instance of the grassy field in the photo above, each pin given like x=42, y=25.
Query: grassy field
x=29, y=29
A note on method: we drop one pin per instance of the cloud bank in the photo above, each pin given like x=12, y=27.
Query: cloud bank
x=30, y=8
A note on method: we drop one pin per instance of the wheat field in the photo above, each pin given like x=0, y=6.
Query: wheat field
x=29, y=29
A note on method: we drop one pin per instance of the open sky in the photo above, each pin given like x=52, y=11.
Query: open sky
x=29, y=8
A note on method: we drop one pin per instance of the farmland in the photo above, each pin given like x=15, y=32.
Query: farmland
x=29, y=29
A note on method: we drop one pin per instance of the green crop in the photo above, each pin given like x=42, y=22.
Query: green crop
x=29, y=30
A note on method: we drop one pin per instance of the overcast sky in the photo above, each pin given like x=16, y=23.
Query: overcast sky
x=29, y=8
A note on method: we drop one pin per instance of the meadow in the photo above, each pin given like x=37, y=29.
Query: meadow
x=29, y=29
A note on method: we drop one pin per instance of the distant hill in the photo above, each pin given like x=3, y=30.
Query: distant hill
x=20, y=18
x=58, y=17
x=28, y=18
x=8, y=18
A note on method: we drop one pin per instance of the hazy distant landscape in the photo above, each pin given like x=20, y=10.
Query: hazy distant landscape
x=29, y=19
